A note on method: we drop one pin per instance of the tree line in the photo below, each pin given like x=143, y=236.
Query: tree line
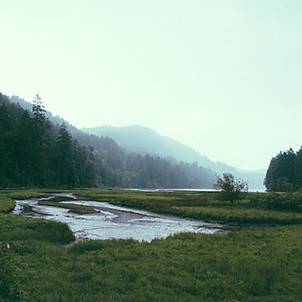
x=34, y=152
x=285, y=171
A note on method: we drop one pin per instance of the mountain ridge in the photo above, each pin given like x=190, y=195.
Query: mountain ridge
x=143, y=140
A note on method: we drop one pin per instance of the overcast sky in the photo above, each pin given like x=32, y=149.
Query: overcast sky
x=222, y=76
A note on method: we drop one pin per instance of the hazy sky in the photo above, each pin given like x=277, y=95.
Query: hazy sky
x=222, y=76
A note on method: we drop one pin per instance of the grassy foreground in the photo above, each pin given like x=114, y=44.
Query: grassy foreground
x=263, y=264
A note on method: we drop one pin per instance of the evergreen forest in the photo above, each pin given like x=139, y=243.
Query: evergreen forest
x=285, y=172
x=35, y=152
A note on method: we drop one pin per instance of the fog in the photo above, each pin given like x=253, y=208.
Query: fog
x=223, y=77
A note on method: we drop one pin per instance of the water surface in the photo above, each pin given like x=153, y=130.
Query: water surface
x=114, y=222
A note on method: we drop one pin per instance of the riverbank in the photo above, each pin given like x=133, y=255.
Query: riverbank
x=262, y=264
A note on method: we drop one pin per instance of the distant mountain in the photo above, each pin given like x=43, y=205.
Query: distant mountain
x=143, y=140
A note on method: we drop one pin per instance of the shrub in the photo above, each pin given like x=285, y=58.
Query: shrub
x=230, y=186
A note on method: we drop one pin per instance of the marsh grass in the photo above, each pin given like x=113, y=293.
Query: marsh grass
x=263, y=264
x=6, y=204
x=74, y=208
x=14, y=227
x=256, y=208
x=60, y=198
x=239, y=215
x=258, y=265
x=21, y=194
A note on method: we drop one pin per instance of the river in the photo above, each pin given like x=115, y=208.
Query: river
x=113, y=222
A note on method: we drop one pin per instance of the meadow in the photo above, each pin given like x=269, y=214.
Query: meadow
x=260, y=261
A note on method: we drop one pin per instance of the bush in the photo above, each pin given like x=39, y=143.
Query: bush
x=232, y=188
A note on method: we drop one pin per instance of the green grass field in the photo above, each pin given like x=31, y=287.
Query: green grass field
x=261, y=264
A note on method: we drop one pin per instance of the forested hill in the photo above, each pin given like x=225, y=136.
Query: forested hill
x=36, y=152
x=143, y=140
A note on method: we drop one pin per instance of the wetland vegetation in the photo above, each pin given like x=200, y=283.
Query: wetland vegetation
x=259, y=264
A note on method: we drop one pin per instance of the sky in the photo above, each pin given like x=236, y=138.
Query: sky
x=221, y=76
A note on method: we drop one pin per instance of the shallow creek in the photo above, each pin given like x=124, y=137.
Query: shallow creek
x=113, y=222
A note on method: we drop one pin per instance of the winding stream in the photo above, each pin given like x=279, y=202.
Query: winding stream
x=113, y=222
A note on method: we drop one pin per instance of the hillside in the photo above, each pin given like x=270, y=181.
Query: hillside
x=144, y=140
x=36, y=153
x=112, y=165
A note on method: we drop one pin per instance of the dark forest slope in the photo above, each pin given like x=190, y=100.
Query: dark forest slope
x=109, y=164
